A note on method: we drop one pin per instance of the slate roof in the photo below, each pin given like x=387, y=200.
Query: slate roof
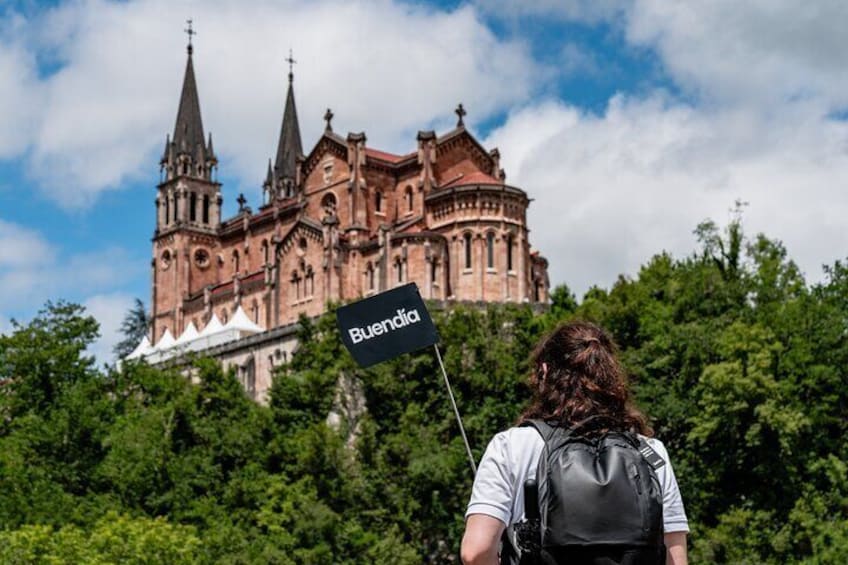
x=289, y=147
x=188, y=130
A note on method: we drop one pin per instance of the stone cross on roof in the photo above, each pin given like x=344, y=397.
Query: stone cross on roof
x=460, y=112
x=290, y=60
x=241, y=202
x=189, y=31
x=328, y=117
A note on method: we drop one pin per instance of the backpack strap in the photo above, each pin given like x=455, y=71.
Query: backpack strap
x=547, y=431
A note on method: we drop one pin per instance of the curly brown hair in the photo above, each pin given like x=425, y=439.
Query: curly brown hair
x=577, y=376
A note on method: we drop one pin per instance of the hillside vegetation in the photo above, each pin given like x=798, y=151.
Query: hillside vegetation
x=741, y=365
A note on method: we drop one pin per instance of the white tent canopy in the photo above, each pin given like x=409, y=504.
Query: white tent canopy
x=189, y=334
x=166, y=341
x=212, y=327
x=242, y=323
x=142, y=349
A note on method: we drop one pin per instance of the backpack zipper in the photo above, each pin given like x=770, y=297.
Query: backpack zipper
x=638, y=480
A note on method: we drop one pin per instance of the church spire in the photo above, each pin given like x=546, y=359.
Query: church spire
x=289, y=148
x=188, y=130
x=188, y=153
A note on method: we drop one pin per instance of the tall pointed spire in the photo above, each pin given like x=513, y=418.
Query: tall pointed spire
x=188, y=130
x=289, y=147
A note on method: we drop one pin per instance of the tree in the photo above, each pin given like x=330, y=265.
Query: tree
x=136, y=325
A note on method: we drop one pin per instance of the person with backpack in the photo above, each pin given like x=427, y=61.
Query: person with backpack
x=580, y=479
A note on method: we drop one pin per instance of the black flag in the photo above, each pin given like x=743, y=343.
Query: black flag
x=386, y=325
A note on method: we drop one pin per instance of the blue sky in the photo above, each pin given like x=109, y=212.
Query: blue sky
x=627, y=122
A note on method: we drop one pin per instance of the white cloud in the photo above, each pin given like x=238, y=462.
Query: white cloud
x=750, y=53
x=611, y=191
x=33, y=270
x=385, y=67
x=109, y=310
x=20, y=246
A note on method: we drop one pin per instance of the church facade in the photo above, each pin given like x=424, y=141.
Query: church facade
x=339, y=222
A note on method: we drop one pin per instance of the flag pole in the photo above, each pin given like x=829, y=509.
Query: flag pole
x=456, y=411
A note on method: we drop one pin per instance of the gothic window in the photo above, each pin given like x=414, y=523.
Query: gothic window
x=265, y=251
x=467, y=239
x=236, y=263
x=399, y=269
x=295, y=283
x=248, y=371
x=433, y=270
x=309, y=283
x=490, y=250
x=328, y=203
x=378, y=201
x=509, y=245
x=409, y=199
x=205, y=208
x=167, y=210
x=192, y=207
x=254, y=310
x=166, y=260
x=176, y=205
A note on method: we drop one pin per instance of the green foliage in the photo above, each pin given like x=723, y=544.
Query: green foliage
x=739, y=362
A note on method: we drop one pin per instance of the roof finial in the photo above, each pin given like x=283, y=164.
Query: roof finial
x=328, y=117
x=241, y=202
x=460, y=112
x=290, y=60
x=189, y=31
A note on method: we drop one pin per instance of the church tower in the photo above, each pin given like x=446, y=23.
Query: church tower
x=188, y=212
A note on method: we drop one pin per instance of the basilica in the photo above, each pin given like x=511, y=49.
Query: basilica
x=337, y=222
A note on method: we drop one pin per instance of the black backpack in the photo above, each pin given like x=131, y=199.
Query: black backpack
x=598, y=502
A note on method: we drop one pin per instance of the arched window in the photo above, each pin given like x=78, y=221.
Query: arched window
x=248, y=374
x=167, y=209
x=192, y=207
x=328, y=203
x=409, y=199
x=399, y=269
x=378, y=201
x=467, y=240
x=254, y=310
x=295, y=282
x=490, y=250
x=265, y=251
x=236, y=262
x=205, y=208
x=434, y=267
x=309, y=282
x=509, y=244
x=176, y=205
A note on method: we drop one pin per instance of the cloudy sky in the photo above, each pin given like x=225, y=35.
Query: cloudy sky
x=628, y=123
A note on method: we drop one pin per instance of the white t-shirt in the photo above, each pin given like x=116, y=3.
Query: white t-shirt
x=512, y=457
